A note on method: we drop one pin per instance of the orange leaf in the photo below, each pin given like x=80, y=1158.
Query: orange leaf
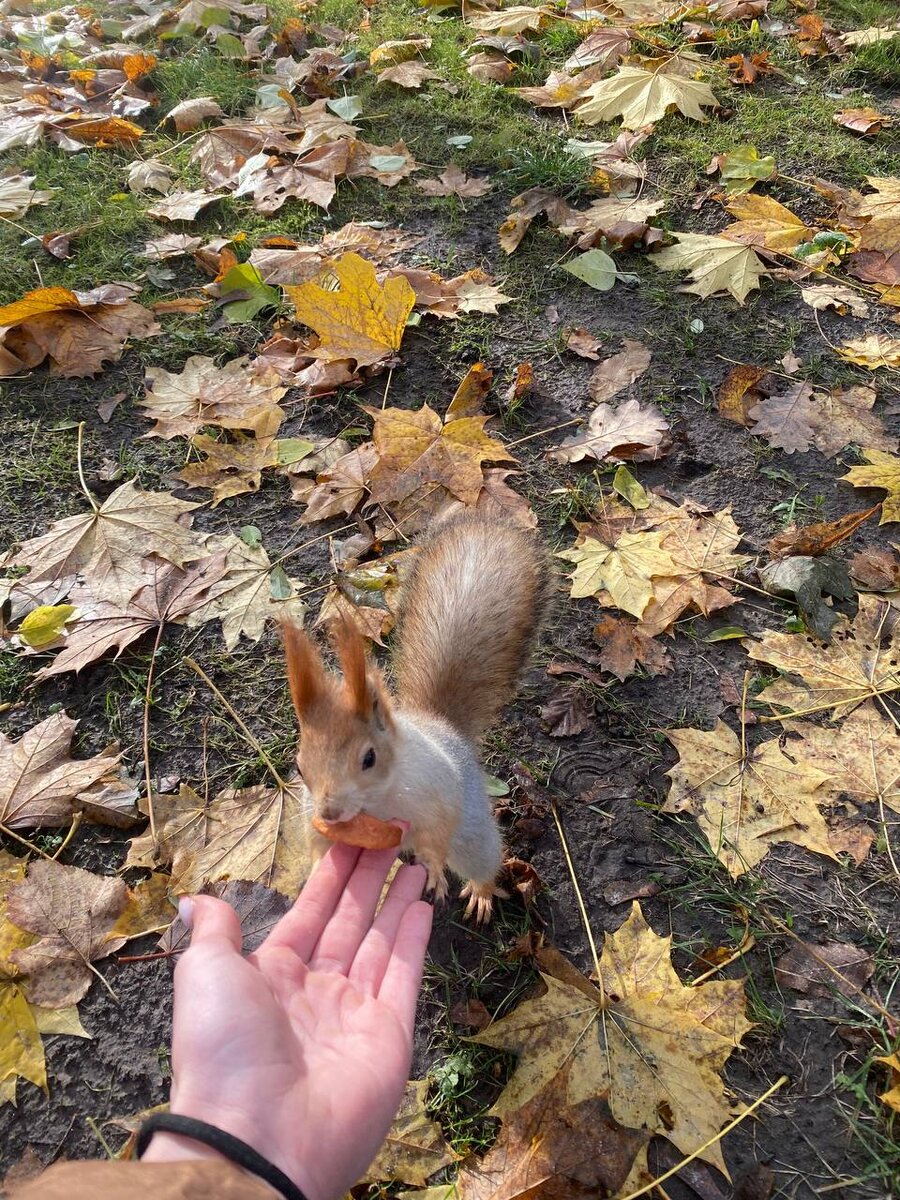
x=136, y=66
x=33, y=304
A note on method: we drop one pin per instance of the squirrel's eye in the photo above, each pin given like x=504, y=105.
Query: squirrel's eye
x=368, y=759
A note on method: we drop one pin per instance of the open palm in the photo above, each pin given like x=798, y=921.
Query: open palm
x=303, y=1048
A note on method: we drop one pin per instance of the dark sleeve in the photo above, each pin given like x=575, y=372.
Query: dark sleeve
x=200, y=1180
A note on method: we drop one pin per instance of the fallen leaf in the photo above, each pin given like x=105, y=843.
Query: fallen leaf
x=515, y=18
x=561, y=89
x=455, y=182
x=39, y=781
x=362, y=320
x=17, y=195
x=342, y=485
x=72, y=912
x=881, y=232
x=620, y=891
x=77, y=331
x=804, y=970
x=766, y=224
x=584, y=344
x=619, y=371
x=566, y=713
x=399, y=50
x=745, y=804
x=828, y=420
x=786, y=421
x=876, y=570
x=415, y=1147
x=108, y=544
x=595, y=268
x=150, y=175
x=651, y=1046
x=716, y=264
x=45, y=624
x=808, y=580
x=233, y=396
x=883, y=472
x=832, y=295
x=869, y=37
x=602, y=47
x=407, y=74
x=172, y=245
x=468, y=399
x=183, y=206
x=21, y=1049
x=629, y=432
x=414, y=447
x=624, y=645
x=741, y=169
x=866, y=121
x=554, y=1149
x=861, y=759
x=892, y=1097
x=624, y=570
x=641, y=97
x=489, y=68
x=872, y=351
x=148, y=909
x=747, y=68
x=841, y=675
x=272, y=181
x=820, y=537
x=471, y=1013
x=738, y=393
x=190, y=114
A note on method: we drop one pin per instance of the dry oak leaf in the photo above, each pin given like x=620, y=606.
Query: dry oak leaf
x=623, y=645
x=641, y=97
x=861, y=661
x=233, y=396
x=72, y=912
x=183, y=206
x=77, y=331
x=415, y=1147
x=649, y=1044
x=882, y=230
x=746, y=805
x=455, y=182
x=169, y=593
x=258, y=833
x=553, y=1149
x=39, y=780
x=415, y=447
x=883, y=472
x=362, y=320
x=108, y=544
x=407, y=74
x=766, y=224
x=627, y=433
x=834, y=295
x=716, y=264
x=872, y=351
x=702, y=545
x=247, y=595
x=861, y=758
x=623, y=570
x=619, y=371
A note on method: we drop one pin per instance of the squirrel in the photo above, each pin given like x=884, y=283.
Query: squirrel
x=470, y=615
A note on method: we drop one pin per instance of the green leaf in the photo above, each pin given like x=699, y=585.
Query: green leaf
x=626, y=486
x=494, y=786
x=345, y=107
x=251, y=535
x=742, y=167
x=594, y=268
x=291, y=450
x=279, y=584
x=727, y=633
x=255, y=294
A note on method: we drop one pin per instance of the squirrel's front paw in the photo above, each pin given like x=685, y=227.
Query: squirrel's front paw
x=481, y=900
x=437, y=883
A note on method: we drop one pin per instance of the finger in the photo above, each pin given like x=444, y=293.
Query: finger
x=214, y=921
x=301, y=927
x=341, y=937
x=403, y=975
x=370, y=963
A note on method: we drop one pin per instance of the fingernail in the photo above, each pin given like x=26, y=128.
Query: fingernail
x=186, y=910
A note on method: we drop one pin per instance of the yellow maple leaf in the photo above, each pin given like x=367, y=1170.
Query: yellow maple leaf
x=872, y=351
x=745, y=804
x=415, y=448
x=892, y=1097
x=883, y=472
x=882, y=230
x=624, y=570
x=861, y=759
x=360, y=319
x=641, y=97
x=764, y=222
x=36, y=303
x=655, y=1046
x=415, y=1146
x=716, y=264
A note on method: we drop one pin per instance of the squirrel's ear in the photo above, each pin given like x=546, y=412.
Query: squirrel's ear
x=367, y=698
x=305, y=670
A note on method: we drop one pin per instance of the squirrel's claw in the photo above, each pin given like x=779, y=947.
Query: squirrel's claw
x=480, y=898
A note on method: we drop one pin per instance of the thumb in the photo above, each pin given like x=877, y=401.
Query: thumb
x=211, y=920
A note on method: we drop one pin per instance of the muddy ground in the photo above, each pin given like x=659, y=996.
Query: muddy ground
x=607, y=781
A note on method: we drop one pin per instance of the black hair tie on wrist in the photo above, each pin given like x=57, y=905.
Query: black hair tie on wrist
x=227, y=1145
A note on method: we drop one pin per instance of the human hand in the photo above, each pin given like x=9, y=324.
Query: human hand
x=303, y=1048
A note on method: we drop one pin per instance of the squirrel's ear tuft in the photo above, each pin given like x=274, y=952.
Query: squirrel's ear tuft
x=305, y=670
x=351, y=651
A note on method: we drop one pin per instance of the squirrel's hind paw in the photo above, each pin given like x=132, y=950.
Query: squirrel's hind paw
x=481, y=900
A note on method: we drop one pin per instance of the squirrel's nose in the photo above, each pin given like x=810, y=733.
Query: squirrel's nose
x=330, y=811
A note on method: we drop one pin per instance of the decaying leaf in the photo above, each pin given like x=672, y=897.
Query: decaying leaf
x=453, y=181
x=415, y=1147
x=17, y=195
x=566, y=713
x=642, y=97
x=809, y=580
x=873, y=351
x=619, y=371
x=861, y=757
x=362, y=320
x=651, y=1045
x=881, y=231
x=190, y=114
x=230, y=468
x=800, y=418
x=627, y=433
x=72, y=912
x=833, y=295
x=233, y=396
x=883, y=472
x=716, y=264
x=738, y=393
x=853, y=668
x=820, y=537
x=805, y=969
x=39, y=780
x=624, y=645
x=183, y=206
x=746, y=804
x=766, y=224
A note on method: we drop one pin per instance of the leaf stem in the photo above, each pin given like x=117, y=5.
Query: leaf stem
x=84, y=486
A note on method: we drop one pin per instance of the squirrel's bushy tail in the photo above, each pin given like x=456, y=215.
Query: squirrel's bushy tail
x=471, y=612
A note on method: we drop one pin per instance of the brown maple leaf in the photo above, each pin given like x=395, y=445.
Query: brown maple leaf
x=39, y=782
x=234, y=396
x=72, y=913
x=453, y=181
x=624, y=645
